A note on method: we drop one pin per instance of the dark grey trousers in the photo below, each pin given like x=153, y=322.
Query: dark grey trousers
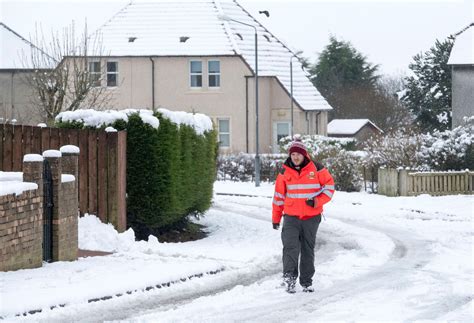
x=299, y=238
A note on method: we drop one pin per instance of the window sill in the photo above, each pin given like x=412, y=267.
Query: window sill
x=204, y=91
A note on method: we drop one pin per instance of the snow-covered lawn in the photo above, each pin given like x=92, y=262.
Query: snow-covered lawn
x=378, y=258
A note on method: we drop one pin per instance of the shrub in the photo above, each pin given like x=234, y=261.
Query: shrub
x=450, y=149
x=170, y=169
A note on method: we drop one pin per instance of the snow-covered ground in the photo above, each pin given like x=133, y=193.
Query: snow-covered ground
x=377, y=259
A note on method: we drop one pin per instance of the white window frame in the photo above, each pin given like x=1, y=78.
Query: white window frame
x=107, y=73
x=191, y=74
x=219, y=132
x=209, y=74
x=96, y=76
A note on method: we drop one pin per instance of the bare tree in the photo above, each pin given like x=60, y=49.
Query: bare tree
x=62, y=78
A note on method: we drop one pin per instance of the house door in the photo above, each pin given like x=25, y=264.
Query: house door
x=280, y=129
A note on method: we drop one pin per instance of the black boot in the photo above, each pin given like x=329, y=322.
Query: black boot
x=290, y=283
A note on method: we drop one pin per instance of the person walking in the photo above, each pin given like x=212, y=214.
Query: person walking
x=301, y=189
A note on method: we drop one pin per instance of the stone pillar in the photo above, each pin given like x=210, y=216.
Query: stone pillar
x=70, y=202
x=70, y=161
x=65, y=222
x=33, y=171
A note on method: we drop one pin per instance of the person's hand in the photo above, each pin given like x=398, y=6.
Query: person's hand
x=311, y=202
x=276, y=226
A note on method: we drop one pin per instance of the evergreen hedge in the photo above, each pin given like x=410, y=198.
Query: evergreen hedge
x=170, y=173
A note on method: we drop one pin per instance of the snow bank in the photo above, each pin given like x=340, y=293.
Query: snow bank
x=95, y=235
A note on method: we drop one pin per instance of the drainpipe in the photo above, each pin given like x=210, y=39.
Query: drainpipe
x=152, y=83
x=247, y=114
x=317, y=123
x=307, y=122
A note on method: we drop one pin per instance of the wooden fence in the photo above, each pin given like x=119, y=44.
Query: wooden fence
x=102, y=164
x=394, y=182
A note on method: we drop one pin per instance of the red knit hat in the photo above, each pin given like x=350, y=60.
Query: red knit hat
x=298, y=147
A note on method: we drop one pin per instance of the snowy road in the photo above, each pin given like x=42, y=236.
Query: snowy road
x=377, y=259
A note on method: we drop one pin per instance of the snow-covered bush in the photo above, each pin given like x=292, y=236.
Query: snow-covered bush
x=345, y=167
x=447, y=150
x=450, y=149
x=337, y=155
x=331, y=152
x=396, y=148
x=241, y=167
x=319, y=147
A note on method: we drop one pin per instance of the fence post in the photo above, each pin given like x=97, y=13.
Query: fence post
x=403, y=182
x=388, y=181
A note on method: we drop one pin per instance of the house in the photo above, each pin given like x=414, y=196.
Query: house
x=360, y=129
x=461, y=60
x=16, y=94
x=182, y=55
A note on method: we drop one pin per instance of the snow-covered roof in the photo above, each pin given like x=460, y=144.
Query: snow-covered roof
x=15, y=50
x=348, y=126
x=462, y=52
x=146, y=28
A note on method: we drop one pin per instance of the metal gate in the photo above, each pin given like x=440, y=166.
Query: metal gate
x=47, y=213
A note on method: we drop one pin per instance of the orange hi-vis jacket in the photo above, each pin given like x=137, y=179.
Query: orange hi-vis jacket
x=292, y=189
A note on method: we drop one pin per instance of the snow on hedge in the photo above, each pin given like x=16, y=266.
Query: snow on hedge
x=200, y=122
x=98, y=119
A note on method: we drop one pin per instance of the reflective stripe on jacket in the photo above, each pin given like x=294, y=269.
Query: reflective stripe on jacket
x=292, y=189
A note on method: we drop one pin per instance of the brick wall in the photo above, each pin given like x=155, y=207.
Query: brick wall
x=21, y=230
x=21, y=216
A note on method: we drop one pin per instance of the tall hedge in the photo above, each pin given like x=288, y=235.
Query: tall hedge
x=183, y=168
x=143, y=174
x=170, y=173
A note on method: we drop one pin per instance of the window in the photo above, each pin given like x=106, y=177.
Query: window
x=196, y=73
x=283, y=130
x=112, y=73
x=224, y=132
x=94, y=73
x=280, y=129
x=214, y=72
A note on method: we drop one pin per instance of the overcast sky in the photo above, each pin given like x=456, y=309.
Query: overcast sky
x=388, y=32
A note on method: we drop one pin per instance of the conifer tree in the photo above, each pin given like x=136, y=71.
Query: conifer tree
x=428, y=91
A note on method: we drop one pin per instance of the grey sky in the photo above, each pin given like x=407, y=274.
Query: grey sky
x=389, y=33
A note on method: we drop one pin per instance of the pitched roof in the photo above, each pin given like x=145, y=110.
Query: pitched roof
x=15, y=50
x=462, y=52
x=158, y=26
x=348, y=127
